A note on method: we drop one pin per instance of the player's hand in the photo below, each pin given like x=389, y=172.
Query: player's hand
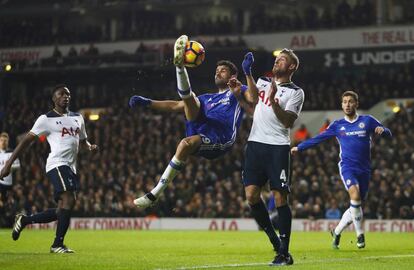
x=5, y=171
x=294, y=150
x=139, y=101
x=93, y=147
x=379, y=130
x=247, y=63
x=235, y=87
x=273, y=89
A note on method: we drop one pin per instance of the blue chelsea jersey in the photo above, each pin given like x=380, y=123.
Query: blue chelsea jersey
x=354, y=140
x=222, y=111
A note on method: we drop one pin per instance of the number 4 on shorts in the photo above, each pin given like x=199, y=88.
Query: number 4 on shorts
x=283, y=176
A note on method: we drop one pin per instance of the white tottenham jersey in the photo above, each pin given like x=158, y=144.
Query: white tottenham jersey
x=4, y=156
x=266, y=126
x=63, y=133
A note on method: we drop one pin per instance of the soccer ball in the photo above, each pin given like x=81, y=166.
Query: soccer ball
x=194, y=54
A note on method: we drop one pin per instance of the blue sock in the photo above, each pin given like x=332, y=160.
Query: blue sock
x=285, y=226
x=43, y=217
x=63, y=218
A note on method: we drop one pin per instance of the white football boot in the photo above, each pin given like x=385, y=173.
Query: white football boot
x=146, y=201
x=179, y=50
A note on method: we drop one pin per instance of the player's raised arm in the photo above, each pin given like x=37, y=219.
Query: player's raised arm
x=25, y=143
x=159, y=105
x=251, y=95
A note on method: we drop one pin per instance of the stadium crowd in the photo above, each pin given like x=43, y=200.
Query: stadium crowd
x=153, y=24
x=136, y=144
x=373, y=84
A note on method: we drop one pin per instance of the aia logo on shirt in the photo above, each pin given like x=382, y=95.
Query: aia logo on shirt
x=263, y=98
x=70, y=131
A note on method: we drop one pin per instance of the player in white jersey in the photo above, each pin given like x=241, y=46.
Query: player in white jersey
x=6, y=183
x=65, y=131
x=268, y=149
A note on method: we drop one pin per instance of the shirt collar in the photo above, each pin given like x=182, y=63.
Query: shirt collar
x=351, y=121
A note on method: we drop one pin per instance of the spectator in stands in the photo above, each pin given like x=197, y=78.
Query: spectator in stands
x=301, y=134
x=56, y=52
x=324, y=126
x=72, y=52
x=141, y=48
x=343, y=14
x=333, y=211
x=92, y=50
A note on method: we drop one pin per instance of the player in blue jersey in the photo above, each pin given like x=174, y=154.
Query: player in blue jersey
x=212, y=120
x=353, y=133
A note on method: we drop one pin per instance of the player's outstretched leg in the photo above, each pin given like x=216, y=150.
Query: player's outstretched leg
x=18, y=226
x=336, y=238
x=186, y=147
x=22, y=220
x=345, y=221
x=183, y=82
x=146, y=201
x=179, y=50
x=150, y=199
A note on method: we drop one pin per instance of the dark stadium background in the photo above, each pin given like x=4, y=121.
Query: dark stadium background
x=135, y=145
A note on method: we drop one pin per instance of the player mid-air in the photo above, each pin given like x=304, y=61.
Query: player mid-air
x=212, y=120
x=353, y=133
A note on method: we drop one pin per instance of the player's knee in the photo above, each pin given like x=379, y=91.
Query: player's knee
x=354, y=193
x=188, y=143
x=252, y=198
x=184, y=143
x=67, y=200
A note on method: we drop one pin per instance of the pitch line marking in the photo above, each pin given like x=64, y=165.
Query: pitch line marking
x=300, y=262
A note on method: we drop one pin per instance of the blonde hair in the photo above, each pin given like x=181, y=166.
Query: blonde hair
x=5, y=135
x=292, y=57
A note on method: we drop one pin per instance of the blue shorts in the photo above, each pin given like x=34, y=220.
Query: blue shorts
x=266, y=162
x=351, y=177
x=214, y=142
x=63, y=179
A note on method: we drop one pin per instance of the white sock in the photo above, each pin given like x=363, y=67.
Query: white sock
x=345, y=221
x=183, y=83
x=357, y=216
x=173, y=168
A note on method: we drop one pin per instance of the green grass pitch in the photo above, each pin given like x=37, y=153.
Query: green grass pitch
x=201, y=250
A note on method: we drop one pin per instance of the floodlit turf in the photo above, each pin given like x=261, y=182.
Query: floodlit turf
x=204, y=250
